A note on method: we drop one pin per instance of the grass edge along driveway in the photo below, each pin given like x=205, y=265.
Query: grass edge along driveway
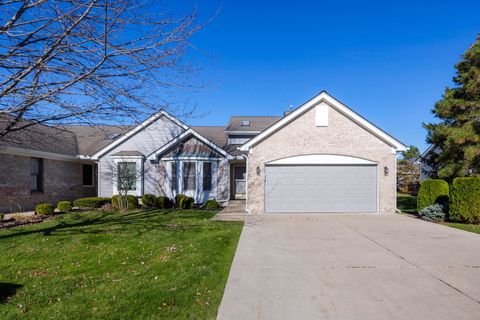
x=135, y=265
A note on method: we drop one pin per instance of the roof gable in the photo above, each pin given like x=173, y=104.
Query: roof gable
x=182, y=137
x=338, y=106
x=132, y=132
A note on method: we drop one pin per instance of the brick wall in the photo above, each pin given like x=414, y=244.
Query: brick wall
x=341, y=137
x=62, y=180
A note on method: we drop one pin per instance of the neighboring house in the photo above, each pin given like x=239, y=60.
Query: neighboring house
x=320, y=157
x=43, y=164
x=426, y=171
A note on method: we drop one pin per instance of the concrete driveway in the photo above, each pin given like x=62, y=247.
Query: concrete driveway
x=352, y=267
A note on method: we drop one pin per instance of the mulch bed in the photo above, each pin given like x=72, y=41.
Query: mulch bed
x=12, y=223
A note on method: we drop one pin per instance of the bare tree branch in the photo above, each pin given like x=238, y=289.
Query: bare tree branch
x=70, y=61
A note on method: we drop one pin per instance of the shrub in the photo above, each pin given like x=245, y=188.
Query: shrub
x=432, y=191
x=164, y=202
x=187, y=203
x=149, y=201
x=64, y=206
x=132, y=202
x=44, y=209
x=212, y=204
x=434, y=213
x=92, y=202
x=178, y=199
x=465, y=200
x=1, y=216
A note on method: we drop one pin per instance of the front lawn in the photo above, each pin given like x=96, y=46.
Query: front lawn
x=97, y=265
x=467, y=227
x=407, y=203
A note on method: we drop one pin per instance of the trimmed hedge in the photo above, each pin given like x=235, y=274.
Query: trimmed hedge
x=131, y=200
x=465, y=200
x=44, y=209
x=187, y=203
x=64, y=206
x=164, y=202
x=149, y=201
x=178, y=199
x=432, y=191
x=92, y=202
x=212, y=204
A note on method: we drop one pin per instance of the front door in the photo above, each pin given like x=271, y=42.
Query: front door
x=239, y=182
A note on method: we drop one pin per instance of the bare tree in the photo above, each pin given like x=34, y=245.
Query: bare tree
x=124, y=174
x=89, y=61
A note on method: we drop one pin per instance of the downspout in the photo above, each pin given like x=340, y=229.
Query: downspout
x=246, y=183
x=395, y=180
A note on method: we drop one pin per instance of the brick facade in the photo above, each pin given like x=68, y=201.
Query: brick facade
x=62, y=180
x=341, y=137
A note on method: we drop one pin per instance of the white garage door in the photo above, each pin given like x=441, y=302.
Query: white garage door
x=321, y=188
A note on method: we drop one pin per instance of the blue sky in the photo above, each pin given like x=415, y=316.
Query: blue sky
x=389, y=61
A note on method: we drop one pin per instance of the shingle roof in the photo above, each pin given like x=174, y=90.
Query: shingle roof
x=257, y=123
x=40, y=138
x=90, y=139
x=128, y=153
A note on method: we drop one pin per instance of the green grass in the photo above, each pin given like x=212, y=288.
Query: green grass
x=407, y=203
x=467, y=227
x=97, y=265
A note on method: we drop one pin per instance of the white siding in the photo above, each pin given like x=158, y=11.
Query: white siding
x=146, y=141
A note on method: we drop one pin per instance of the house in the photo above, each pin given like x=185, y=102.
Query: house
x=426, y=170
x=320, y=157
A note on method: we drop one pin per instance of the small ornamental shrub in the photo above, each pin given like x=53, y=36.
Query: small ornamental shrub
x=64, y=206
x=164, y=202
x=212, y=204
x=1, y=216
x=149, y=201
x=92, y=202
x=178, y=199
x=44, y=209
x=433, y=213
x=465, y=200
x=187, y=203
x=132, y=202
x=432, y=191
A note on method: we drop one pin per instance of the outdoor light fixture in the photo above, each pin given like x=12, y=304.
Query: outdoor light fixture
x=258, y=171
x=385, y=171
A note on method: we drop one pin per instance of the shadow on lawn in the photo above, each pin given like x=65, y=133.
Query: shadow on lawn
x=108, y=222
x=7, y=290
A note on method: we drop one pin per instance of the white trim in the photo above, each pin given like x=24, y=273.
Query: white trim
x=40, y=154
x=337, y=105
x=137, y=129
x=138, y=192
x=154, y=155
x=321, y=159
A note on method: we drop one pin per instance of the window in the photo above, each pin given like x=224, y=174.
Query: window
x=88, y=175
x=207, y=176
x=245, y=123
x=36, y=174
x=127, y=176
x=189, y=176
x=173, y=167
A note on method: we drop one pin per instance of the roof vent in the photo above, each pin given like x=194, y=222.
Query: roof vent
x=245, y=123
x=112, y=136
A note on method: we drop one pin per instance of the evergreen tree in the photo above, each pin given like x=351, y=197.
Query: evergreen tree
x=457, y=134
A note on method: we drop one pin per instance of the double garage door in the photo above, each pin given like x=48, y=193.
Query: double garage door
x=321, y=188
